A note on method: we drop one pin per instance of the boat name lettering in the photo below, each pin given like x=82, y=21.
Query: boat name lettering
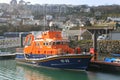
x=64, y=60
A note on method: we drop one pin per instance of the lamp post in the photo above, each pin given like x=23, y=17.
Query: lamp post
x=106, y=32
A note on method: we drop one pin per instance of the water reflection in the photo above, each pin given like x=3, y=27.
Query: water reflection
x=33, y=73
x=103, y=75
x=10, y=71
x=7, y=70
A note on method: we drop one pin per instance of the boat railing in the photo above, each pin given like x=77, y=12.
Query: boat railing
x=66, y=54
x=7, y=54
x=57, y=55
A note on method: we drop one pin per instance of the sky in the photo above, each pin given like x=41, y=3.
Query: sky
x=73, y=2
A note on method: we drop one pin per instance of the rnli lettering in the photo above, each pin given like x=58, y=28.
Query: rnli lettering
x=64, y=60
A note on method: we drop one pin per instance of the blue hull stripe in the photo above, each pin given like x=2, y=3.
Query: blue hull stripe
x=67, y=63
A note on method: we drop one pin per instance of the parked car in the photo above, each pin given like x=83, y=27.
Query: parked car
x=103, y=37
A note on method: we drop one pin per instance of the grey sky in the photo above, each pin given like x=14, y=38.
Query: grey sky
x=73, y=2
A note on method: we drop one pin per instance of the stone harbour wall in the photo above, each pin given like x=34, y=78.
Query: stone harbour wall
x=103, y=46
x=109, y=46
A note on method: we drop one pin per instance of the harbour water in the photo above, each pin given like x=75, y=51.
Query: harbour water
x=10, y=70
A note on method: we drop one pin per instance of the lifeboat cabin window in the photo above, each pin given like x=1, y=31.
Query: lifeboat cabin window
x=50, y=43
x=46, y=43
x=29, y=41
x=58, y=43
x=37, y=44
x=54, y=43
x=64, y=42
x=43, y=43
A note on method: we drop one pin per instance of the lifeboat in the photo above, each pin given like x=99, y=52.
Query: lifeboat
x=50, y=49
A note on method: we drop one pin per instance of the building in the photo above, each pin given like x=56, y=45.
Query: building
x=21, y=2
x=115, y=36
x=3, y=22
x=31, y=22
x=15, y=34
x=81, y=34
x=13, y=2
x=115, y=19
x=1, y=13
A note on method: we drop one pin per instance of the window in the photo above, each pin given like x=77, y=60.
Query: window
x=54, y=43
x=43, y=43
x=58, y=43
x=29, y=41
x=37, y=44
x=50, y=43
x=46, y=43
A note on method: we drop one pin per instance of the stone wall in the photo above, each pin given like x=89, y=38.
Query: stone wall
x=103, y=46
x=109, y=46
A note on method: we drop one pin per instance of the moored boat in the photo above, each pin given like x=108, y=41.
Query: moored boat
x=50, y=49
x=112, y=60
x=109, y=64
x=115, y=54
x=6, y=55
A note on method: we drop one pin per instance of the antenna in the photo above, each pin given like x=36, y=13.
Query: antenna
x=45, y=11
